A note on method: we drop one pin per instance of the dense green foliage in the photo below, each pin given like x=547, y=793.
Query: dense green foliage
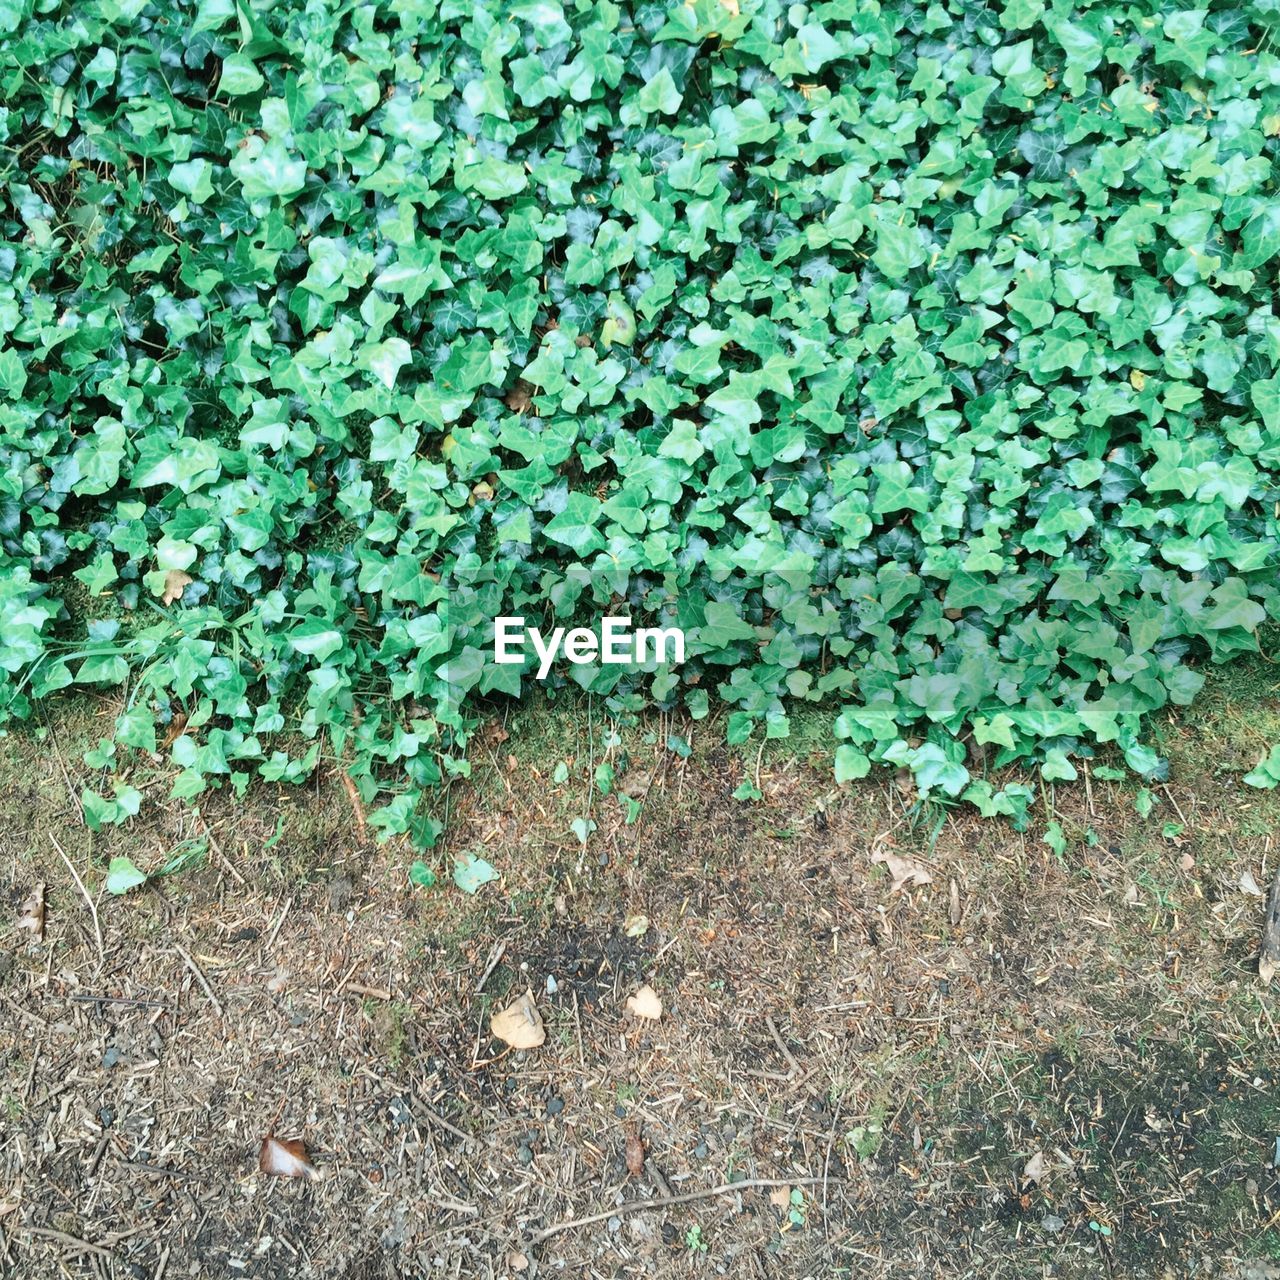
x=920, y=359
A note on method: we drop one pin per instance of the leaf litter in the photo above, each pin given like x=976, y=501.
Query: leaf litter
x=645, y=1004
x=285, y=1158
x=520, y=1024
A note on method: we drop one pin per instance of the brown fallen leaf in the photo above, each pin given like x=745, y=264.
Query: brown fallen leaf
x=636, y=926
x=519, y=1024
x=519, y=397
x=175, y=583
x=955, y=914
x=1187, y=862
x=517, y=1262
x=633, y=1153
x=32, y=916
x=780, y=1197
x=646, y=1004
x=904, y=872
x=285, y=1158
x=1035, y=1168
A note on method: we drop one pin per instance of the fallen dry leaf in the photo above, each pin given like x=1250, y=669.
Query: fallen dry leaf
x=1187, y=862
x=636, y=926
x=175, y=583
x=32, y=916
x=517, y=1262
x=1250, y=885
x=1131, y=895
x=646, y=1003
x=519, y=397
x=633, y=1153
x=285, y=1158
x=954, y=913
x=904, y=872
x=1035, y=1168
x=519, y=1024
x=780, y=1197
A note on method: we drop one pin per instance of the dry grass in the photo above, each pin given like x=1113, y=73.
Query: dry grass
x=898, y=1058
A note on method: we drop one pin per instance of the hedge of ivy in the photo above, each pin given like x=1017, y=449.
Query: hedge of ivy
x=920, y=359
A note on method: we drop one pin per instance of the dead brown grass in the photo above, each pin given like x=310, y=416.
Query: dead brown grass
x=898, y=1059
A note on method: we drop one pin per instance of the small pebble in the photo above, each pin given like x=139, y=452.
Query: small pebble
x=524, y=1155
x=555, y=1106
x=111, y=1057
x=1052, y=1223
x=552, y=985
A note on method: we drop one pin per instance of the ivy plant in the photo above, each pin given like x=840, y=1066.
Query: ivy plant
x=918, y=359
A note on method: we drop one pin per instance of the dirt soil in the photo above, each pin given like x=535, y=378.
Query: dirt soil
x=1027, y=1060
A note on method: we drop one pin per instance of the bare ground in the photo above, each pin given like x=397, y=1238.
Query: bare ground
x=1036, y=1064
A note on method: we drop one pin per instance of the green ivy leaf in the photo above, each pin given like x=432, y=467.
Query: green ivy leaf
x=122, y=876
x=267, y=169
x=471, y=873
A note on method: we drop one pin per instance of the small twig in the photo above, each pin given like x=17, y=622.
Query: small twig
x=1269, y=952
x=373, y=993
x=665, y=1202
x=434, y=1117
x=93, y=911
x=158, y=1170
x=577, y=1027
x=71, y=1242
x=275, y=929
x=778, y=1040
x=357, y=808
x=1176, y=807
x=25, y=1013
x=217, y=848
x=31, y=1075
x=458, y=1206
x=826, y=1163
x=203, y=981
x=57, y=751
x=495, y=958
x=88, y=998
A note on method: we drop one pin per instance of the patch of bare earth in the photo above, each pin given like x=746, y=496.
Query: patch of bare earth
x=1020, y=1063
